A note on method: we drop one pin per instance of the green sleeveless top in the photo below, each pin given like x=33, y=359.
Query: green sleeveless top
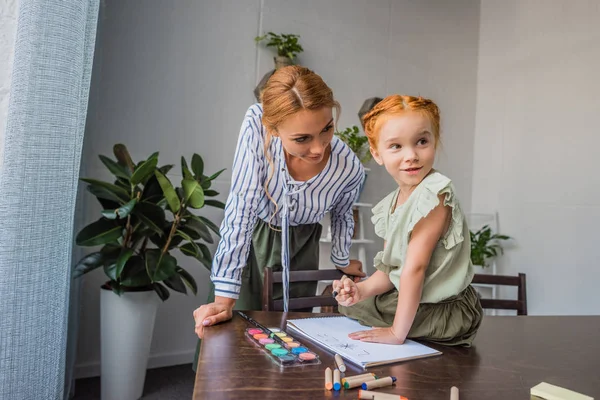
x=450, y=269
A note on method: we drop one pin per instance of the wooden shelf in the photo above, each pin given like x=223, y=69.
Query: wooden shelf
x=368, y=205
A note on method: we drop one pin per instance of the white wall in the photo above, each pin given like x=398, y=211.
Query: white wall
x=179, y=78
x=9, y=10
x=536, y=145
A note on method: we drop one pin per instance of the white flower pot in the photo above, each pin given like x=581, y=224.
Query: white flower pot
x=126, y=328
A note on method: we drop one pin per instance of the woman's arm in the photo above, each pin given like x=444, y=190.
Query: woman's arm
x=240, y=209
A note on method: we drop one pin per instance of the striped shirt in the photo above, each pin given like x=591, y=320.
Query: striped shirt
x=333, y=190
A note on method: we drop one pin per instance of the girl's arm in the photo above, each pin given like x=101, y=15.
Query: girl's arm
x=378, y=283
x=422, y=242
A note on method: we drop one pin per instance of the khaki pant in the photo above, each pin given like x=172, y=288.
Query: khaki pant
x=452, y=322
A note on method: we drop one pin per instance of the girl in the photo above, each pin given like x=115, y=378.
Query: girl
x=421, y=289
x=289, y=170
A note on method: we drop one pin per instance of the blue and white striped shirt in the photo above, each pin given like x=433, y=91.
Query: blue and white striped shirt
x=333, y=190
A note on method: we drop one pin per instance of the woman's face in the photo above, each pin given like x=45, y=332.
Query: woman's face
x=307, y=134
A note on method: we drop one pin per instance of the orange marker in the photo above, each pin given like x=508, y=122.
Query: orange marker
x=328, y=379
x=368, y=395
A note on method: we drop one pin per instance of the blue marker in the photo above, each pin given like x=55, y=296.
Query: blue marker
x=337, y=383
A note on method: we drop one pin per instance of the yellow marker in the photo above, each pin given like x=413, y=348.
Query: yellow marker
x=551, y=392
x=328, y=379
x=361, y=376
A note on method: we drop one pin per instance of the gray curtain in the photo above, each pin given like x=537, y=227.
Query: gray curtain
x=38, y=188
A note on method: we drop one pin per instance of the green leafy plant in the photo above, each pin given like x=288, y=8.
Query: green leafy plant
x=358, y=143
x=286, y=44
x=485, y=245
x=146, y=218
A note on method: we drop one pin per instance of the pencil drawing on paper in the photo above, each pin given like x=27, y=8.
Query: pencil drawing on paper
x=343, y=344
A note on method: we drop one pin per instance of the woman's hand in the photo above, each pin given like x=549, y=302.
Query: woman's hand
x=354, y=269
x=213, y=313
x=377, y=335
x=348, y=292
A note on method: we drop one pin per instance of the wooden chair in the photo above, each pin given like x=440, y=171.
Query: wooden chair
x=520, y=305
x=271, y=278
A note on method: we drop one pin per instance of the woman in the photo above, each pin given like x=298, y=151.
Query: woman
x=289, y=170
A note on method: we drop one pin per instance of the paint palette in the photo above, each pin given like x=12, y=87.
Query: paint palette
x=287, y=351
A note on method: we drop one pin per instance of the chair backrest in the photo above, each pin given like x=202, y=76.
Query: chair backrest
x=271, y=278
x=520, y=305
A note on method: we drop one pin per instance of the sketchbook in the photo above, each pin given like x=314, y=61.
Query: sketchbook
x=332, y=334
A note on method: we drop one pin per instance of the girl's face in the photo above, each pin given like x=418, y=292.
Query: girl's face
x=406, y=148
x=307, y=134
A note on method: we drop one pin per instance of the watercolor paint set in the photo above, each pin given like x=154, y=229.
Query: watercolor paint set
x=281, y=348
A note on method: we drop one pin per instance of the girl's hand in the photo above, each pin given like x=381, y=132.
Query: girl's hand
x=377, y=335
x=348, y=292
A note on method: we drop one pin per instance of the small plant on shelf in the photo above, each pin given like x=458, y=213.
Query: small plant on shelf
x=358, y=143
x=485, y=245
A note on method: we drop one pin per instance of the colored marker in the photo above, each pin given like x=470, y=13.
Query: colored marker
x=335, y=293
x=328, y=379
x=336, y=379
x=454, y=393
x=358, y=382
x=361, y=376
x=368, y=395
x=340, y=363
x=379, y=383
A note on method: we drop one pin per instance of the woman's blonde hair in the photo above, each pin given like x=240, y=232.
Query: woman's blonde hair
x=395, y=105
x=290, y=90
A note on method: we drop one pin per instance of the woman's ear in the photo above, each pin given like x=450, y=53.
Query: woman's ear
x=376, y=156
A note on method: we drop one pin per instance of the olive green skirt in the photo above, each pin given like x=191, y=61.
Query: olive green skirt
x=265, y=252
x=452, y=322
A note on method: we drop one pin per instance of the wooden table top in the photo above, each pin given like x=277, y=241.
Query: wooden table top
x=510, y=356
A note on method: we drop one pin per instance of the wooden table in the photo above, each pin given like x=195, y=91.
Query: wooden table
x=510, y=355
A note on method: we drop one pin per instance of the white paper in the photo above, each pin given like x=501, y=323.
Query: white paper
x=332, y=333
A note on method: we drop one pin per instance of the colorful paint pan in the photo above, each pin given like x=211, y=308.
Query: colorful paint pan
x=308, y=356
x=299, y=350
x=259, y=336
x=281, y=348
x=279, y=352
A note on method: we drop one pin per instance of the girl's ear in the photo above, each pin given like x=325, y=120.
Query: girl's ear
x=376, y=155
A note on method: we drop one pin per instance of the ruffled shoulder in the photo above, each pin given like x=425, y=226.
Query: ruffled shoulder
x=432, y=186
x=380, y=214
x=381, y=266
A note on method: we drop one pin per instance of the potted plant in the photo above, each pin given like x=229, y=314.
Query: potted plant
x=287, y=47
x=144, y=220
x=485, y=246
x=359, y=144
